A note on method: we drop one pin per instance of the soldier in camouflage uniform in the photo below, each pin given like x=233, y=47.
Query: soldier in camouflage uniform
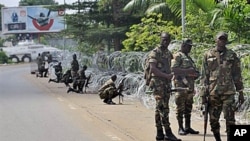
x=39, y=61
x=80, y=81
x=74, y=70
x=58, y=73
x=160, y=85
x=108, y=90
x=221, y=77
x=185, y=73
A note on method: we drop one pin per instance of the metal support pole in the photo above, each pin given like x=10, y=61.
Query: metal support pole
x=64, y=29
x=183, y=15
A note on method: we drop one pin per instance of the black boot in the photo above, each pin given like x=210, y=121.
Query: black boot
x=170, y=136
x=159, y=135
x=105, y=100
x=181, y=130
x=217, y=136
x=111, y=102
x=188, y=128
x=69, y=90
x=228, y=137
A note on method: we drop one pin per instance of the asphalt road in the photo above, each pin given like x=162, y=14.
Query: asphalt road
x=31, y=109
x=28, y=112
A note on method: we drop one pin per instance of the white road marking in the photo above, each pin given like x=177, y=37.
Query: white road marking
x=60, y=99
x=113, y=137
x=71, y=107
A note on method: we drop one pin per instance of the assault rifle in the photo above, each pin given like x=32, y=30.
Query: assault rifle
x=120, y=89
x=86, y=84
x=176, y=89
x=194, y=74
x=205, y=113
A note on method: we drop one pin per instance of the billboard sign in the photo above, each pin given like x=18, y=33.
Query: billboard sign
x=31, y=19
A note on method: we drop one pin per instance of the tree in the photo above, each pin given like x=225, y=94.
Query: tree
x=236, y=18
x=170, y=9
x=145, y=35
x=36, y=2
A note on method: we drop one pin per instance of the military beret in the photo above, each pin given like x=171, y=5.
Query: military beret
x=221, y=34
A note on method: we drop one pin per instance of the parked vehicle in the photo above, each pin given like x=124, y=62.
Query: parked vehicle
x=27, y=52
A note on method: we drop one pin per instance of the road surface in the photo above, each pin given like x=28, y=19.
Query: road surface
x=31, y=109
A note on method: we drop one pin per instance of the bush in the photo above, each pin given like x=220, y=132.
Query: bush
x=3, y=57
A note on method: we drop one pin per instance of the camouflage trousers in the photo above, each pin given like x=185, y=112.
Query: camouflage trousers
x=184, y=104
x=108, y=93
x=161, y=92
x=217, y=104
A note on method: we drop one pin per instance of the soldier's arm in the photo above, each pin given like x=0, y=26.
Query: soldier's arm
x=236, y=73
x=157, y=72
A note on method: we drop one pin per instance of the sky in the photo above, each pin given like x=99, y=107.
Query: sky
x=14, y=3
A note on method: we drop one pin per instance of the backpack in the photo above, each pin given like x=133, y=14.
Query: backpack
x=147, y=73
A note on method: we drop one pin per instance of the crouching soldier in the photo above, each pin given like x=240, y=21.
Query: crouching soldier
x=43, y=70
x=108, y=90
x=67, y=78
x=80, y=81
x=58, y=73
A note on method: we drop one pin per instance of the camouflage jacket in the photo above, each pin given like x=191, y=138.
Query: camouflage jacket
x=183, y=61
x=162, y=59
x=81, y=74
x=106, y=85
x=221, y=72
x=58, y=68
x=74, y=65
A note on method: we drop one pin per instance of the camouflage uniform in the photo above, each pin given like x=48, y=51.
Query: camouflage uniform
x=107, y=91
x=39, y=61
x=74, y=70
x=161, y=87
x=183, y=99
x=58, y=73
x=221, y=74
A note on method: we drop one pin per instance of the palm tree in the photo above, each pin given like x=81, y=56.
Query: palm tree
x=170, y=9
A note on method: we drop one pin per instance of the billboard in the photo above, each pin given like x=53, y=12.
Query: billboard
x=31, y=19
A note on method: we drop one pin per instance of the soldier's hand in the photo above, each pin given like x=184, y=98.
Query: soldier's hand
x=241, y=97
x=169, y=76
x=203, y=100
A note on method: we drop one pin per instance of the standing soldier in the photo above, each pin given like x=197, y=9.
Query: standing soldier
x=39, y=61
x=185, y=73
x=221, y=79
x=74, y=69
x=160, y=85
x=49, y=57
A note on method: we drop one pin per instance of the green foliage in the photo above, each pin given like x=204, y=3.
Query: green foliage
x=198, y=29
x=145, y=35
x=36, y=2
x=3, y=58
x=86, y=48
x=236, y=18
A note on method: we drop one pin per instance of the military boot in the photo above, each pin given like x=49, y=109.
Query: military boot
x=181, y=130
x=188, y=128
x=69, y=90
x=217, y=136
x=159, y=135
x=170, y=136
x=228, y=137
x=105, y=100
